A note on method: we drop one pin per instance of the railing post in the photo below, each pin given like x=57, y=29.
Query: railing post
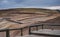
x=36, y=28
x=29, y=30
x=42, y=26
x=7, y=33
x=21, y=31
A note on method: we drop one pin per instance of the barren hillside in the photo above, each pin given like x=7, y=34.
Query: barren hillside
x=11, y=18
x=12, y=12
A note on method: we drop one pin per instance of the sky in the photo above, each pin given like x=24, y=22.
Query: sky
x=5, y=4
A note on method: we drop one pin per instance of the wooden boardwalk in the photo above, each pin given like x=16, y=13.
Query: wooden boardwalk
x=46, y=32
x=32, y=36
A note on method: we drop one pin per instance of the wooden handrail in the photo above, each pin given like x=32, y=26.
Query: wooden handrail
x=42, y=24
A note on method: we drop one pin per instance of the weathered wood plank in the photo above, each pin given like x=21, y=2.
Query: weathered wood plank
x=32, y=36
x=47, y=32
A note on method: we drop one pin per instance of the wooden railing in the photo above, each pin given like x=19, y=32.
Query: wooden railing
x=41, y=24
x=8, y=31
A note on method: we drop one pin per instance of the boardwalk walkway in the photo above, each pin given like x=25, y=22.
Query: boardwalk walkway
x=32, y=36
